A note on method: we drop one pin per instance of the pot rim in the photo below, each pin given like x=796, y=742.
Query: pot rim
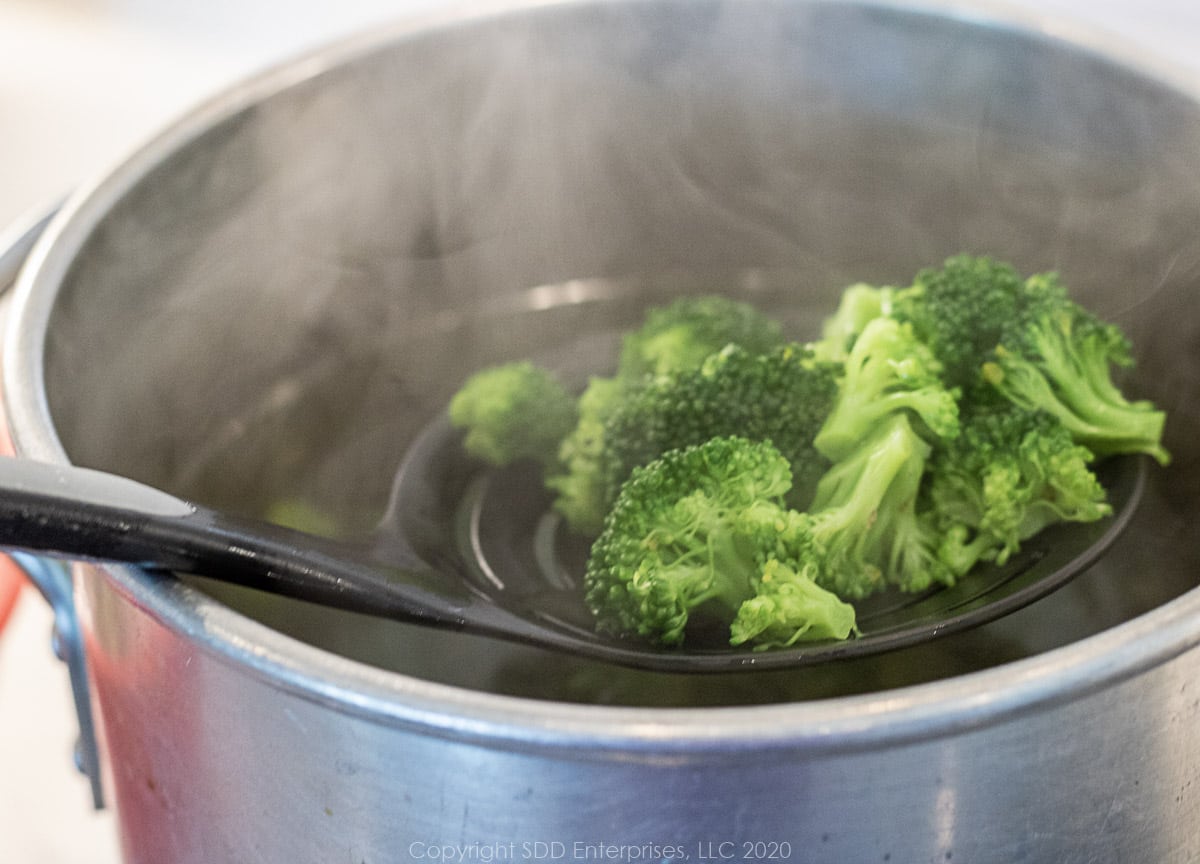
x=860, y=722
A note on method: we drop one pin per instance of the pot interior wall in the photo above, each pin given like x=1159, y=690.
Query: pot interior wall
x=267, y=318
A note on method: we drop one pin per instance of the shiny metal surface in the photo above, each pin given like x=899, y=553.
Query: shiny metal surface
x=316, y=254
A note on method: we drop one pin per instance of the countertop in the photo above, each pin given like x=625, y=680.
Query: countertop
x=84, y=81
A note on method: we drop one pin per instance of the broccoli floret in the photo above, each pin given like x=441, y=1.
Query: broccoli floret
x=695, y=528
x=1011, y=473
x=958, y=311
x=1057, y=357
x=681, y=335
x=888, y=370
x=859, y=305
x=672, y=339
x=866, y=515
x=782, y=396
x=578, y=478
x=513, y=411
x=1038, y=348
x=787, y=608
x=908, y=537
x=700, y=527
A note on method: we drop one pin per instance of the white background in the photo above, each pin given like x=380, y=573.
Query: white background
x=83, y=81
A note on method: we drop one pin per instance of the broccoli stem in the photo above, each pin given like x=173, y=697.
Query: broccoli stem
x=849, y=494
x=733, y=570
x=726, y=567
x=961, y=550
x=850, y=499
x=1101, y=425
x=841, y=434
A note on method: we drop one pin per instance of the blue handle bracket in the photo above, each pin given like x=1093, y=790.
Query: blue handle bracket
x=54, y=581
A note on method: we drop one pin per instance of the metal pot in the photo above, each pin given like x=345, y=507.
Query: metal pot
x=265, y=305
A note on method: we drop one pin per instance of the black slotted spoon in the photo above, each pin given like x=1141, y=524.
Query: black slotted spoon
x=506, y=569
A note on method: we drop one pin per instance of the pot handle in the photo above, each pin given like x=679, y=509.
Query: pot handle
x=52, y=578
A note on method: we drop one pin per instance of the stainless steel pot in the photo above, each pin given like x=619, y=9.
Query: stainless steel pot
x=268, y=302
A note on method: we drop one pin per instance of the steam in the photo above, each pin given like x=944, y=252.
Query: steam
x=287, y=300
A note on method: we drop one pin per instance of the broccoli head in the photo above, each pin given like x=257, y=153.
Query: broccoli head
x=958, y=311
x=887, y=370
x=788, y=607
x=696, y=528
x=672, y=339
x=865, y=515
x=683, y=333
x=1055, y=356
x=1029, y=340
x=513, y=411
x=1011, y=473
x=782, y=396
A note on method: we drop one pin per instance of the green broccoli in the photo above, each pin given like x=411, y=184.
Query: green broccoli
x=859, y=304
x=1057, y=357
x=887, y=370
x=782, y=396
x=578, y=479
x=958, y=311
x=1011, y=473
x=1032, y=343
x=672, y=339
x=697, y=528
x=682, y=334
x=708, y=526
x=866, y=507
x=513, y=411
x=787, y=608
x=733, y=476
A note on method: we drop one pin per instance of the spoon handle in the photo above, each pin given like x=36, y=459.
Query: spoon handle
x=84, y=514
x=79, y=514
